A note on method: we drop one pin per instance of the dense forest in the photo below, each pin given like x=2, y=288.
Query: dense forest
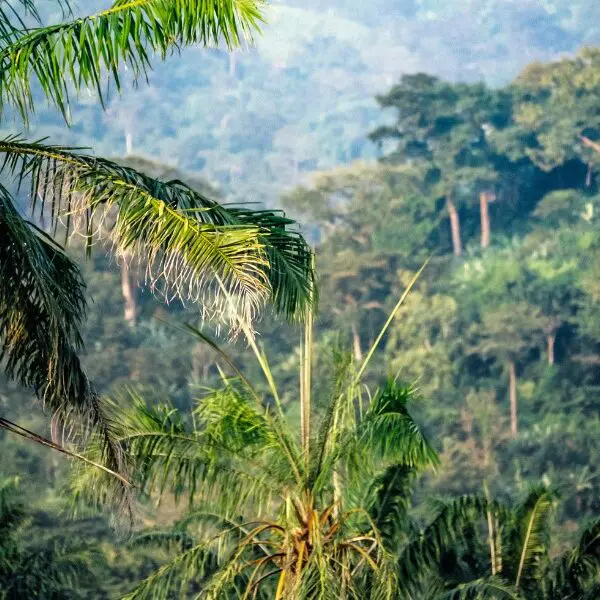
x=302, y=97
x=471, y=441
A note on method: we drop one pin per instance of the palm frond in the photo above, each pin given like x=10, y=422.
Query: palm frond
x=187, y=241
x=191, y=565
x=42, y=304
x=391, y=494
x=215, y=458
x=85, y=52
x=422, y=555
x=390, y=432
x=11, y=510
x=12, y=18
x=578, y=568
x=530, y=541
x=328, y=433
x=491, y=588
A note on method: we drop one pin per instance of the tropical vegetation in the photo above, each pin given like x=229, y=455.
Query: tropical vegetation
x=493, y=353
x=185, y=241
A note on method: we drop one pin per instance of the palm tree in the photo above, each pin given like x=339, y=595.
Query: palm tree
x=275, y=512
x=478, y=548
x=187, y=242
x=32, y=570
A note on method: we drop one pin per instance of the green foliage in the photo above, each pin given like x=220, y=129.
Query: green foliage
x=51, y=569
x=125, y=34
x=271, y=503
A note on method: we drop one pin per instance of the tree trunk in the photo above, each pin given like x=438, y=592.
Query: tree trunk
x=550, y=340
x=358, y=355
x=485, y=219
x=129, y=295
x=512, y=386
x=454, y=226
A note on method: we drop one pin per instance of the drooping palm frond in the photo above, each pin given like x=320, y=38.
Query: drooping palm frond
x=422, y=555
x=229, y=451
x=85, y=52
x=575, y=571
x=491, y=588
x=391, y=494
x=187, y=241
x=42, y=304
x=389, y=430
x=12, y=18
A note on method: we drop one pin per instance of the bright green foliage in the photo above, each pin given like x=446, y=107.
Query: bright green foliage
x=128, y=33
x=274, y=512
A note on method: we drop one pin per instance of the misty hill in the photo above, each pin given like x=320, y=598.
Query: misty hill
x=302, y=99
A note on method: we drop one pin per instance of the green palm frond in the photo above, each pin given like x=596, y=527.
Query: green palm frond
x=199, y=564
x=169, y=540
x=573, y=571
x=12, y=18
x=491, y=588
x=529, y=542
x=390, y=432
x=187, y=241
x=42, y=304
x=11, y=511
x=422, y=555
x=84, y=52
x=215, y=458
x=391, y=494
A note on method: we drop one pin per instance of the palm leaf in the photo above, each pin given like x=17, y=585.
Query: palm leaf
x=216, y=457
x=531, y=534
x=491, y=588
x=390, y=432
x=575, y=570
x=421, y=556
x=187, y=241
x=83, y=52
x=391, y=494
x=42, y=304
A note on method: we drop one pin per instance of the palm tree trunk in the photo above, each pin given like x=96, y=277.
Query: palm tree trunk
x=358, y=355
x=485, y=219
x=129, y=296
x=512, y=384
x=454, y=226
x=550, y=341
x=491, y=534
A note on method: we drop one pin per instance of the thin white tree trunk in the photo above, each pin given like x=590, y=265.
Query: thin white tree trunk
x=485, y=219
x=358, y=355
x=512, y=384
x=550, y=342
x=454, y=226
x=128, y=290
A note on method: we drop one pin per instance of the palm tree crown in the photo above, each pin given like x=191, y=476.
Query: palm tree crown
x=192, y=247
